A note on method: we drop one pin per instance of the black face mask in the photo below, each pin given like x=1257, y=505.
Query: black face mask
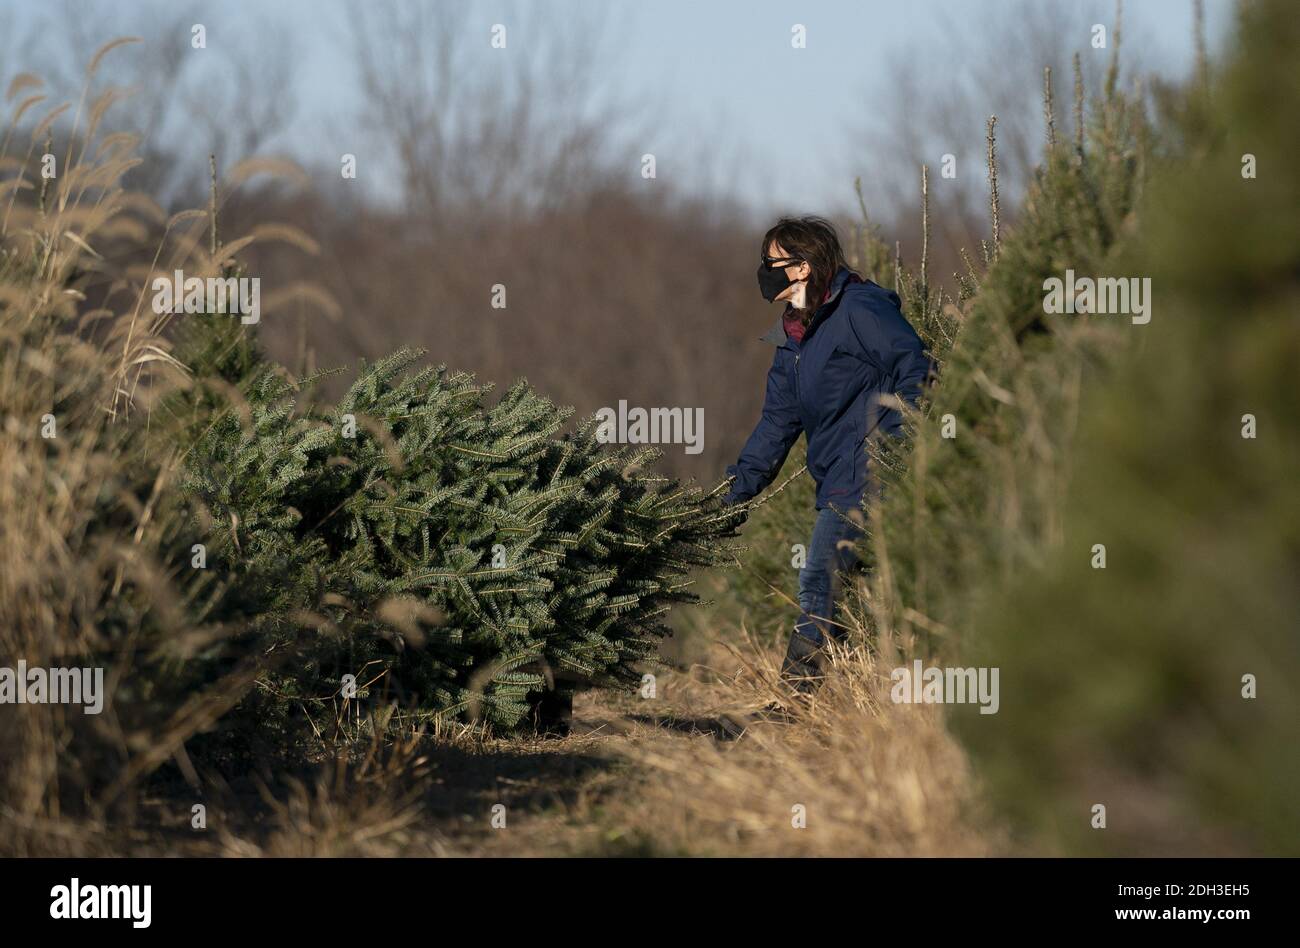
x=772, y=281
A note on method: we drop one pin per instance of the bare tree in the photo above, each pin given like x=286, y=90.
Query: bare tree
x=998, y=70
x=497, y=130
x=229, y=100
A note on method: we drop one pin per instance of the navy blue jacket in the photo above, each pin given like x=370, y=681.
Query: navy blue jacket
x=857, y=348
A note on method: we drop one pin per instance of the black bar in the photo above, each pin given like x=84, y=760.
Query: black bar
x=387, y=898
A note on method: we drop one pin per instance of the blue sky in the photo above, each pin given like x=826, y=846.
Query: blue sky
x=722, y=96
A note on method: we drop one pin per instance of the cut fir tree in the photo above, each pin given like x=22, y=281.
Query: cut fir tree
x=457, y=558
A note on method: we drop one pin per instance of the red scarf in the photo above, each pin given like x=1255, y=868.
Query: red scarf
x=793, y=322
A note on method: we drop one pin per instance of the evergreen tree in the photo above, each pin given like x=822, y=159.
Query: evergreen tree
x=469, y=558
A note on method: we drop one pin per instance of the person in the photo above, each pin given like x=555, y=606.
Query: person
x=842, y=344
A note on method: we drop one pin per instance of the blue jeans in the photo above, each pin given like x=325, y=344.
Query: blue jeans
x=830, y=553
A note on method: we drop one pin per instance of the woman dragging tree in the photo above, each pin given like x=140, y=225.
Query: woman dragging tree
x=843, y=348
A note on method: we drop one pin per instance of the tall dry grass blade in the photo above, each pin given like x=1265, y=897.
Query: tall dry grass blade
x=213, y=242
x=1078, y=109
x=106, y=49
x=1049, y=114
x=24, y=80
x=993, y=182
x=1202, y=67
x=81, y=102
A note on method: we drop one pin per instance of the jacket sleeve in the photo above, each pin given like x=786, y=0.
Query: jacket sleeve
x=889, y=340
x=773, y=437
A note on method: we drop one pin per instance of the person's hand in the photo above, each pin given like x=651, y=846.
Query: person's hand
x=735, y=513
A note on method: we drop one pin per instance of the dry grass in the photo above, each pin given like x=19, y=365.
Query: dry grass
x=873, y=778
x=61, y=569
x=87, y=527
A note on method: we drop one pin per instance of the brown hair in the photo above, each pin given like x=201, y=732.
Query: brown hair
x=814, y=240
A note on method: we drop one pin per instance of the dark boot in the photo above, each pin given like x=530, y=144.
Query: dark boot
x=552, y=711
x=801, y=669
